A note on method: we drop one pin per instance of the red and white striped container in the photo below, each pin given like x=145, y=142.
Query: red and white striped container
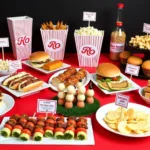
x=88, y=49
x=54, y=42
x=20, y=29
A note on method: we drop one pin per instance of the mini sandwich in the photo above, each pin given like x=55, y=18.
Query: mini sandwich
x=38, y=59
x=108, y=77
x=13, y=77
x=107, y=72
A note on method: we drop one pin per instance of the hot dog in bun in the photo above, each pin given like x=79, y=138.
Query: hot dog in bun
x=11, y=78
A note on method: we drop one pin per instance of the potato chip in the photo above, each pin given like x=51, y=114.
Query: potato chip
x=110, y=121
x=131, y=114
x=128, y=121
x=112, y=125
x=113, y=115
x=122, y=127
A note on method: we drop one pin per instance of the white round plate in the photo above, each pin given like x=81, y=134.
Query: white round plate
x=102, y=111
x=7, y=104
x=85, y=81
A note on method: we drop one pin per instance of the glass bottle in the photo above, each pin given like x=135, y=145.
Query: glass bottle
x=118, y=36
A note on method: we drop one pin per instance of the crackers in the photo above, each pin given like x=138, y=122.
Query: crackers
x=128, y=121
x=50, y=26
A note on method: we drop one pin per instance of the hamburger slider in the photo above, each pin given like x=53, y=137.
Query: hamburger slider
x=38, y=59
x=108, y=77
x=107, y=72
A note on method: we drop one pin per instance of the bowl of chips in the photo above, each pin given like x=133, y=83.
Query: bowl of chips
x=144, y=95
x=4, y=68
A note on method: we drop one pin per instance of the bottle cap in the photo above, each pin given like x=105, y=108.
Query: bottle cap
x=120, y=5
x=119, y=24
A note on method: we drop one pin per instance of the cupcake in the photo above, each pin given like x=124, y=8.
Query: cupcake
x=146, y=68
x=124, y=56
x=134, y=60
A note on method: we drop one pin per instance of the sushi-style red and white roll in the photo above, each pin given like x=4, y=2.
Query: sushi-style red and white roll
x=59, y=128
x=81, y=128
x=25, y=135
x=6, y=131
x=50, y=124
x=16, y=132
x=70, y=129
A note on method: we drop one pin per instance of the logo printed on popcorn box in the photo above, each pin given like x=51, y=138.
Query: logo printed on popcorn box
x=54, y=45
x=23, y=40
x=122, y=100
x=88, y=51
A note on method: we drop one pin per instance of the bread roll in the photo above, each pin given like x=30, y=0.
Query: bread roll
x=53, y=65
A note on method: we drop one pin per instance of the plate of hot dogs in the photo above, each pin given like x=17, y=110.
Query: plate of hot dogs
x=69, y=76
x=22, y=84
x=50, y=130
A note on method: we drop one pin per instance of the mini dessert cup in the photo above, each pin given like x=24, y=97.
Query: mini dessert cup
x=54, y=42
x=20, y=29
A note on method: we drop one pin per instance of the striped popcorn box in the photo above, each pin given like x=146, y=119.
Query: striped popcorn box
x=88, y=49
x=54, y=42
x=20, y=29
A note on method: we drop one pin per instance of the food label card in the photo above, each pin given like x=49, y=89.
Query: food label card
x=122, y=100
x=146, y=28
x=132, y=69
x=4, y=42
x=89, y=16
x=15, y=64
x=46, y=106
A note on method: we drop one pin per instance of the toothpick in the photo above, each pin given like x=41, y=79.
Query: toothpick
x=121, y=116
x=131, y=77
x=88, y=23
x=34, y=114
x=46, y=115
x=3, y=53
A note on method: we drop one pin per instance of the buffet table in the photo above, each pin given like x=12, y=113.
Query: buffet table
x=103, y=138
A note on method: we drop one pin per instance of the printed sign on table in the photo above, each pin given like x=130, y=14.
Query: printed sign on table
x=88, y=51
x=89, y=16
x=4, y=42
x=122, y=100
x=146, y=28
x=54, y=45
x=46, y=106
x=132, y=69
x=15, y=64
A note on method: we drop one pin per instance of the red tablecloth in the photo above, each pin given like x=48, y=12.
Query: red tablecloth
x=103, y=138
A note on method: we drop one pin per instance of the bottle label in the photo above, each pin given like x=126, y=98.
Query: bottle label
x=116, y=47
